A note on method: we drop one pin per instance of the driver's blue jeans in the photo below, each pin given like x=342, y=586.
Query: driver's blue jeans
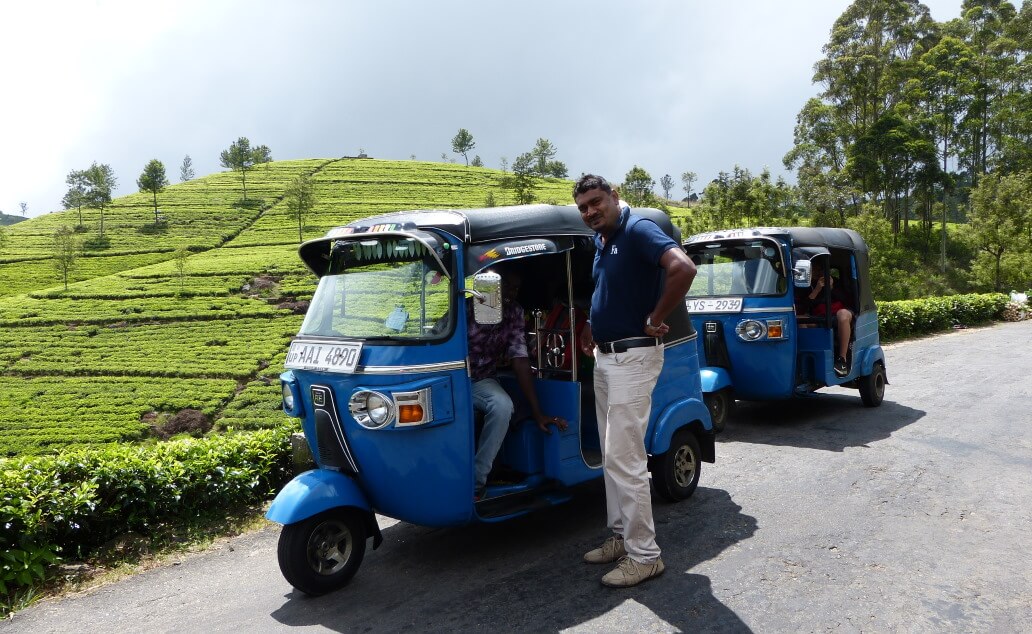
x=495, y=402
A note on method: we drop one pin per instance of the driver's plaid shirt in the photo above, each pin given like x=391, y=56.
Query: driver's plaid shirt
x=489, y=344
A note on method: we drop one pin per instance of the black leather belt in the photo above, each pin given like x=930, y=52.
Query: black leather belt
x=623, y=345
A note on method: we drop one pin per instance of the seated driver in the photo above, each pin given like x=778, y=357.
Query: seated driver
x=817, y=298
x=488, y=345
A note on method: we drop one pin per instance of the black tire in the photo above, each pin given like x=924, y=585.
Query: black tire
x=322, y=553
x=719, y=404
x=675, y=474
x=872, y=386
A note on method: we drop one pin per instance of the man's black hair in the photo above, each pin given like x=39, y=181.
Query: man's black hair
x=589, y=182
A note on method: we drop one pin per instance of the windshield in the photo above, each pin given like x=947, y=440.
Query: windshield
x=744, y=268
x=406, y=298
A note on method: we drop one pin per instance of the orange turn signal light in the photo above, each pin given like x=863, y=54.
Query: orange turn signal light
x=774, y=330
x=410, y=414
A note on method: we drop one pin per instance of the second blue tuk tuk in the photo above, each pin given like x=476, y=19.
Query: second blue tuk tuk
x=753, y=344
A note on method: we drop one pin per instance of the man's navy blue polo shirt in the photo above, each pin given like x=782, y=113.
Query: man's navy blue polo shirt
x=628, y=278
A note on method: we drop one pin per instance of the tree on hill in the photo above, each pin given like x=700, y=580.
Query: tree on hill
x=66, y=251
x=477, y=162
x=637, y=187
x=100, y=182
x=523, y=178
x=239, y=157
x=153, y=180
x=300, y=200
x=688, y=178
x=462, y=143
x=179, y=262
x=76, y=194
x=24, y=209
x=263, y=155
x=542, y=154
x=667, y=183
x=186, y=171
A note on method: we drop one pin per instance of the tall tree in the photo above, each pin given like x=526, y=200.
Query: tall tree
x=153, y=180
x=1001, y=222
x=462, y=143
x=66, y=251
x=239, y=157
x=523, y=178
x=186, y=171
x=688, y=178
x=637, y=187
x=300, y=197
x=263, y=155
x=24, y=209
x=179, y=257
x=667, y=183
x=100, y=183
x=76, y=194
x=543, y=153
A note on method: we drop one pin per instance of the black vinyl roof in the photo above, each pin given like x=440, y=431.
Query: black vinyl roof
x=829, y=237
x=505, y=223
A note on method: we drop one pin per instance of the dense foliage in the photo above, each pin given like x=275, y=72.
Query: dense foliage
x=69, y=504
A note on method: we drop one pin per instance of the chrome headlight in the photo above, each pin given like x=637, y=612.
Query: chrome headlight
x=291, y=398
x=371, y=410
x=751, y=330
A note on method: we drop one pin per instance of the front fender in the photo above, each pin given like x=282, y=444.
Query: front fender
x=676, y=416
x=714, y=379
x=313, y=492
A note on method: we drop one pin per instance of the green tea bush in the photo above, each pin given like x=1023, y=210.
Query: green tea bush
x=907, y=318
x=71, y=503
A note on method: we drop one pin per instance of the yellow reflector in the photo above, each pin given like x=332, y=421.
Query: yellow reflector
x=410, y=414
x=774, y=331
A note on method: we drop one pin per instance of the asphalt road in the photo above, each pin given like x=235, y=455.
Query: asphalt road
x=819, y=515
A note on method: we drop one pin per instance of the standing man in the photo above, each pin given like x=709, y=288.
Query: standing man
x=640, y=275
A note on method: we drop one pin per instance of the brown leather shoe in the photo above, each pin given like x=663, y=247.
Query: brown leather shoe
x=630, y=573
x=610, y=550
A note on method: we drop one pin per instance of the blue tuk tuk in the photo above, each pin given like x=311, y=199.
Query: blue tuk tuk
x=754, y=343
x=379, y=377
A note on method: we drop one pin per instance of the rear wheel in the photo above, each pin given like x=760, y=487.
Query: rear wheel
x=872, y=386
x=719, y=404
x=322, y=553
x=675, y=474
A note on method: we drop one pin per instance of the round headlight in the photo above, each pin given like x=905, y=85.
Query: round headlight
x=288, y=398
x=371, y=410
x=751, y=330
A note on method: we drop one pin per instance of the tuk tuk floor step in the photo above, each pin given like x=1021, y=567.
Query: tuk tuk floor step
x=520, y=502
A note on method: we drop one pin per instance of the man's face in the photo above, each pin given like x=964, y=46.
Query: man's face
x=600, y=210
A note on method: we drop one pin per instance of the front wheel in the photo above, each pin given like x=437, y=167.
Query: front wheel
x=322, y=553
x=675, y=474
x=872, y=386
x=719, y=404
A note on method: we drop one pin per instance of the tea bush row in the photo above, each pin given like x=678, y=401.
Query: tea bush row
x=199, y=349
x=67, y=505
x=23, y=311
x=912, y=317
x=44, y=414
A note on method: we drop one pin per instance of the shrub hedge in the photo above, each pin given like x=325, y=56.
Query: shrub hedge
x=912, y=317
x=67, y=505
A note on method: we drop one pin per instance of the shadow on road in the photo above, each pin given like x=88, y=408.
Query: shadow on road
x=824, y=421
x=527, y=575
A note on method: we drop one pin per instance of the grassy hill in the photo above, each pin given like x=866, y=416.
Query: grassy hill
x=130, y=343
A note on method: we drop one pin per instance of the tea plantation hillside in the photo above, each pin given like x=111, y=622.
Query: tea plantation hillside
x=132, y=342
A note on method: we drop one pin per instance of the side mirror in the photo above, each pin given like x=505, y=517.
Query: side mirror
x=801, y=274
x=487, y=294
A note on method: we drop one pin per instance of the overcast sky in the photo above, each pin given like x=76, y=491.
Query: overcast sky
x=671, y=86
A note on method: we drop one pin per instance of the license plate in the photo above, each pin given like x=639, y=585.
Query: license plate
x=330, y=357
x=713, y=304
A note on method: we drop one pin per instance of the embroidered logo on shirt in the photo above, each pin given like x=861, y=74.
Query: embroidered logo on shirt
x=613, y=251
